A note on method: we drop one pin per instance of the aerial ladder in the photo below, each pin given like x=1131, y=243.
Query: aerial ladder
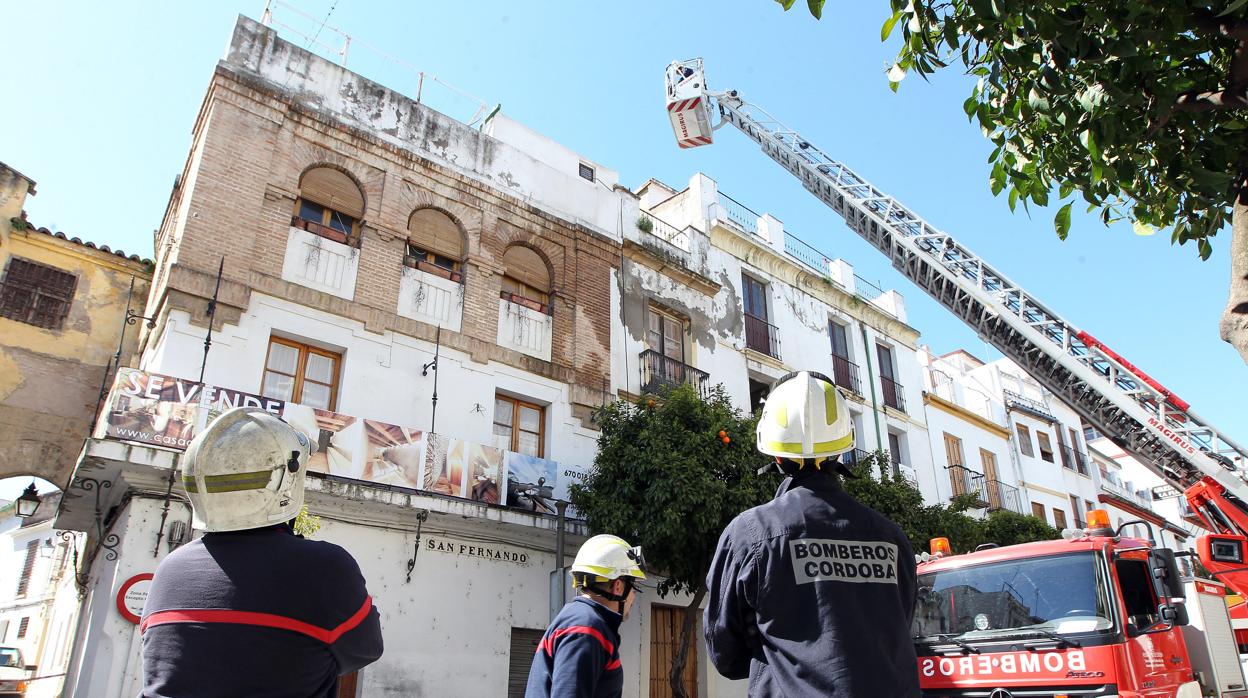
x=1122, y=402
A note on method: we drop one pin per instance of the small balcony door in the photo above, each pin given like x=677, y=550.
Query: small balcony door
x=666, y=337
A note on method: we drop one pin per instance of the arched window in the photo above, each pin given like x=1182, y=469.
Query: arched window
x=434, y=244
x=329, y=205
x=525, y=279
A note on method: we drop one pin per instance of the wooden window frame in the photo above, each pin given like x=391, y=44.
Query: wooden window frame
x=1024, y=440
x=13, y=284
x=301, y=365
x=322, y=227
x=516, y=404
x=530, y=297
x=1059, y=519
x=418, y=257
x=669, y=315
x=950, y=439
x=1042, y=439
x=1038, y=511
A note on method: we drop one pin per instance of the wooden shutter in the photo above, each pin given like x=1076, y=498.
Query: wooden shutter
x=520, y=660
x=665, y=624
x=525, y=266
x=434, y=231
x=329, y=187
x=348, y=685
x=23, y=582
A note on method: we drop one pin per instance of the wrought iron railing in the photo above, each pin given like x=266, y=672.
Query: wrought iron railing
x=762, y=336
x=1026, y=404
x=966, y=481
x=1003, y=496
x=739, y=214
x=1074, y=459
x=892, y=393
x=659, y=371
x=845, y=373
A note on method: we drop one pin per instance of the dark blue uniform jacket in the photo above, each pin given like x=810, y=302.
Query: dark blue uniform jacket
x=579, y=656
x=256, y=613
x=812, y=594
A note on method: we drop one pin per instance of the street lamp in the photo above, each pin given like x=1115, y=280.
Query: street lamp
x=29, y=502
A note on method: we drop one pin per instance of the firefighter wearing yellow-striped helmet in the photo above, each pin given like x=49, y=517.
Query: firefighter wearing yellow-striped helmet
x=804, y=422
x=245, y=470
x=603, y=560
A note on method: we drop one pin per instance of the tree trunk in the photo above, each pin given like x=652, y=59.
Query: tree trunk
x=676, y=678
x=1235, y=318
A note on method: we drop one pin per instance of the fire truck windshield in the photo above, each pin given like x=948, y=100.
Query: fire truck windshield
x=1060, y=594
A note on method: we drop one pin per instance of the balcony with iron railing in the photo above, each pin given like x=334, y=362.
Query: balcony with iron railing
x=762, y=336
x=1074, y=459
x=1118, y=489
x=738, y=214
x=1025, y=404
x=659, y=371
x=897, y=468
x=845, y=374
x=1003, y=496
x=892, y=393
x=965, y=481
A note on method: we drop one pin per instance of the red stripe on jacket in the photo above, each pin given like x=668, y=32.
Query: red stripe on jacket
x=265, y=620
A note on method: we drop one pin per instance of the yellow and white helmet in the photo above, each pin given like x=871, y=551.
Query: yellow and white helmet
x=805, y=416
x=245, y=470
x=604, y=558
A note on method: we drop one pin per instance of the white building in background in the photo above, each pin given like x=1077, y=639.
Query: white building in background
x=1133, y=492
x=740, y=301
x=971, y=444
x=992, y=422
x=38, y=595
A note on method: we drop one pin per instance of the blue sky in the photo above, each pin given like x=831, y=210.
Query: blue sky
x=102, y=96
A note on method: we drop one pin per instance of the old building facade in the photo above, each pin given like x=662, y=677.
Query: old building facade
x=62, y=314
x=441, y=307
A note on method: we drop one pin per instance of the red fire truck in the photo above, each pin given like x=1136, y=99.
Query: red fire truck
x=1097, y=614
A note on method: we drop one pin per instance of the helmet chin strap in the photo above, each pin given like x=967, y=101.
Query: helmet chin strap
x=618, y=598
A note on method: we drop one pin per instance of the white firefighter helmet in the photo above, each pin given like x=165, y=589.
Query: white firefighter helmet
x=245, y=470
x=805, y=416
x=604, y=558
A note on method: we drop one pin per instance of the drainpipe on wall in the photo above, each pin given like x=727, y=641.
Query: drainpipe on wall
x=558, y=582
x=875, y=407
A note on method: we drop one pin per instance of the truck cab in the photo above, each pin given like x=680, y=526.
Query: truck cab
x=13, y=673
x=1097, y=614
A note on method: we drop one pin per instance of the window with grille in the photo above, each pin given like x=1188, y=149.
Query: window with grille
x=300, y=373
x=519, y=426
x=666, y=335
x=36, y=294
x=23, y=582
x=22, y=626
x=587, y=172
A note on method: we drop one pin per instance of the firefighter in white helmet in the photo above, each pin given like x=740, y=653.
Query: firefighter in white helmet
x=250, y=608
x=580, y=653
x=812, y=593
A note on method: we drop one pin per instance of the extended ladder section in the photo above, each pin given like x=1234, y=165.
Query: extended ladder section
x=1126, y=405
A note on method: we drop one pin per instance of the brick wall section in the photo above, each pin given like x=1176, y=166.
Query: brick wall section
x=256, y=145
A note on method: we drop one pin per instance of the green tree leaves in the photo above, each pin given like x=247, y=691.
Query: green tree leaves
x=902, y=503
x=1120, y=102
x=665, y=479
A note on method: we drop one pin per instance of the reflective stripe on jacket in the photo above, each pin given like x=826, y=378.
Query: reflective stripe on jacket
x=260, y=612
x=579, y=656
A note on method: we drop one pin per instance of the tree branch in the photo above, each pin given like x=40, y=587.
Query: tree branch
x=1210, y=24
x=1194, y=101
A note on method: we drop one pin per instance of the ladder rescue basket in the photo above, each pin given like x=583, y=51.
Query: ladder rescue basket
x=687, y=105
